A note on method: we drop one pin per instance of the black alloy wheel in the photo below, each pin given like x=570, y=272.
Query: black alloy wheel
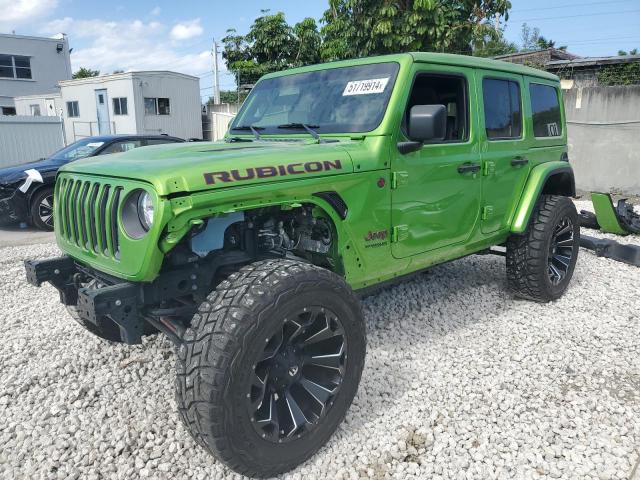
x=561, y=251
x=298, y=374
x=41, y=209
x=45, y=210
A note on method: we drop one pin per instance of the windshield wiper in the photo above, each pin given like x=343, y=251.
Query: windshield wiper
x=308, y=128
x=253, y=129
x=238, y=139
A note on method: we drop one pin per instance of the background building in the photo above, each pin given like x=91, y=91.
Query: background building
x=151, y=102
x=31, y=65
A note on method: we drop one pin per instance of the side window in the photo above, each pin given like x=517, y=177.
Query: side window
x=158, y=141
x=502, y=109
x=447, y=90
x=119, y=147
x=545, y=106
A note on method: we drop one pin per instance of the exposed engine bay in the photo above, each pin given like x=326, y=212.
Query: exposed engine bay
x=302, y=231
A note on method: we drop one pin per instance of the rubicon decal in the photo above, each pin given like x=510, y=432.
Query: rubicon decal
x=250, y=173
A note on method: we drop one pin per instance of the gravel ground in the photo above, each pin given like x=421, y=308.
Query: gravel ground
x=461, y=382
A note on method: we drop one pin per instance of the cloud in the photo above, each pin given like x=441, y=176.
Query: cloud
x=19, y=12
x=129, y=45
x=186, y=30
x=156, y=11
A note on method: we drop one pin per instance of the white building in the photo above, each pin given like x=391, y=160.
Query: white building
x=31, y=65
x=151, y=102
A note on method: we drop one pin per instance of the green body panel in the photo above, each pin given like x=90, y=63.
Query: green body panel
x=537, y=178
x=406, y=212
x=137, y=258
x=605, y=213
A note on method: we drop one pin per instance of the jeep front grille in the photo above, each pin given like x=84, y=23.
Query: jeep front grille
x=88, y=215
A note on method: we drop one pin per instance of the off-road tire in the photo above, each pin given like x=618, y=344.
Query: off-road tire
x=528, y=254
x=34, y=207
x=219, y=350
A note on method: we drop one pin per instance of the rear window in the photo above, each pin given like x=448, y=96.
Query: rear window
x=545, y=106
x=502, y=111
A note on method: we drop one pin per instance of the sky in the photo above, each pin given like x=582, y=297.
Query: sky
x=177, y=35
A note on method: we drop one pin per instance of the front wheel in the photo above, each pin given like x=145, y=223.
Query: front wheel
x=270, y=365
x=42, y=209
x=540, y=262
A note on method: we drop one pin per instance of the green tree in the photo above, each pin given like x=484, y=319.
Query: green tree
x=630, y=52
x=271, y=45
x=492, y=44
x=86, y=73
x=355, y=28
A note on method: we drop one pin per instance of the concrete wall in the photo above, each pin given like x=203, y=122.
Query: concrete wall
x=604, y=138
x=27, y=139
x=48, y=66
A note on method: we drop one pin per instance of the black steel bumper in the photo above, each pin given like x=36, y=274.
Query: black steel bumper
x=121, y=302
x=130, y=305
x=166, y=304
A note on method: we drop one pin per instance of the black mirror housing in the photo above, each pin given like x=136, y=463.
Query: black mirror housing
x=427, y=122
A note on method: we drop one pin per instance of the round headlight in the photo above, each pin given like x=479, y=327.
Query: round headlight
x=137, y=213
x=145, y=210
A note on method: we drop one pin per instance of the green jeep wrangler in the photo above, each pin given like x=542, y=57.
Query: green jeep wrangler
x=250, y=254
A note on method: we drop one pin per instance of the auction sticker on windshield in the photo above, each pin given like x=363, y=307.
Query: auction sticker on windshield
x=365, y=87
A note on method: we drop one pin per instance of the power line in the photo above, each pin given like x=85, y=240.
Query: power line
x=568, y=5
x=578, y=15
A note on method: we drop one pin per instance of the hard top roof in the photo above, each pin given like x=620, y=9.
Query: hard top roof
x=428, y=57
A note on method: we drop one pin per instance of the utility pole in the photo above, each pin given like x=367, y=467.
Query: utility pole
x=216, y=77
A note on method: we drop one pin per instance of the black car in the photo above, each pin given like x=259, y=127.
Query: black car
x=26, y=191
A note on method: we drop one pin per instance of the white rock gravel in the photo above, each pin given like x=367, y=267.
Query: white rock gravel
x=462, y=382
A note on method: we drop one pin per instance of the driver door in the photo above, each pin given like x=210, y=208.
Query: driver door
x=436, y=190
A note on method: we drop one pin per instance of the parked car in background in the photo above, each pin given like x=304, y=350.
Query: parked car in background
x=26, y=190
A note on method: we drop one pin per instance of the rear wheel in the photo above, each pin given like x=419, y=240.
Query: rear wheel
x=540, y=263
x=42, y=209
x=270, y=365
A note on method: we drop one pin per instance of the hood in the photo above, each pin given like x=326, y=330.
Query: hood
x=197, y=166
x=16, y=173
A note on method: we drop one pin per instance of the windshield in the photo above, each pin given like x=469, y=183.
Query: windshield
x=348, y=99
x=77, y=150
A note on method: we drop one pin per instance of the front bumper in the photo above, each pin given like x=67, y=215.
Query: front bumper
x=129, y=304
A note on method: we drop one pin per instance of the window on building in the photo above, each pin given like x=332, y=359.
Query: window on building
x=156, y=106
x=545, y=106
x=120, y=106
x=8, y=110
x=23, y=67
x=35, y=110
x=73, y=110
x=150, y=106
x=15, y=66
x=163, y=106
x=502, y=109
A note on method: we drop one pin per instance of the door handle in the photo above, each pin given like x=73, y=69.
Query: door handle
x=516, y=162
x=469, y=167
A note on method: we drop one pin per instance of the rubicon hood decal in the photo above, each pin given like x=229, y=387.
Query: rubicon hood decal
x=193, y=167
x=300, y=168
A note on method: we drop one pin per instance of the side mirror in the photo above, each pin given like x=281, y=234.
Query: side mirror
x=427, y=122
